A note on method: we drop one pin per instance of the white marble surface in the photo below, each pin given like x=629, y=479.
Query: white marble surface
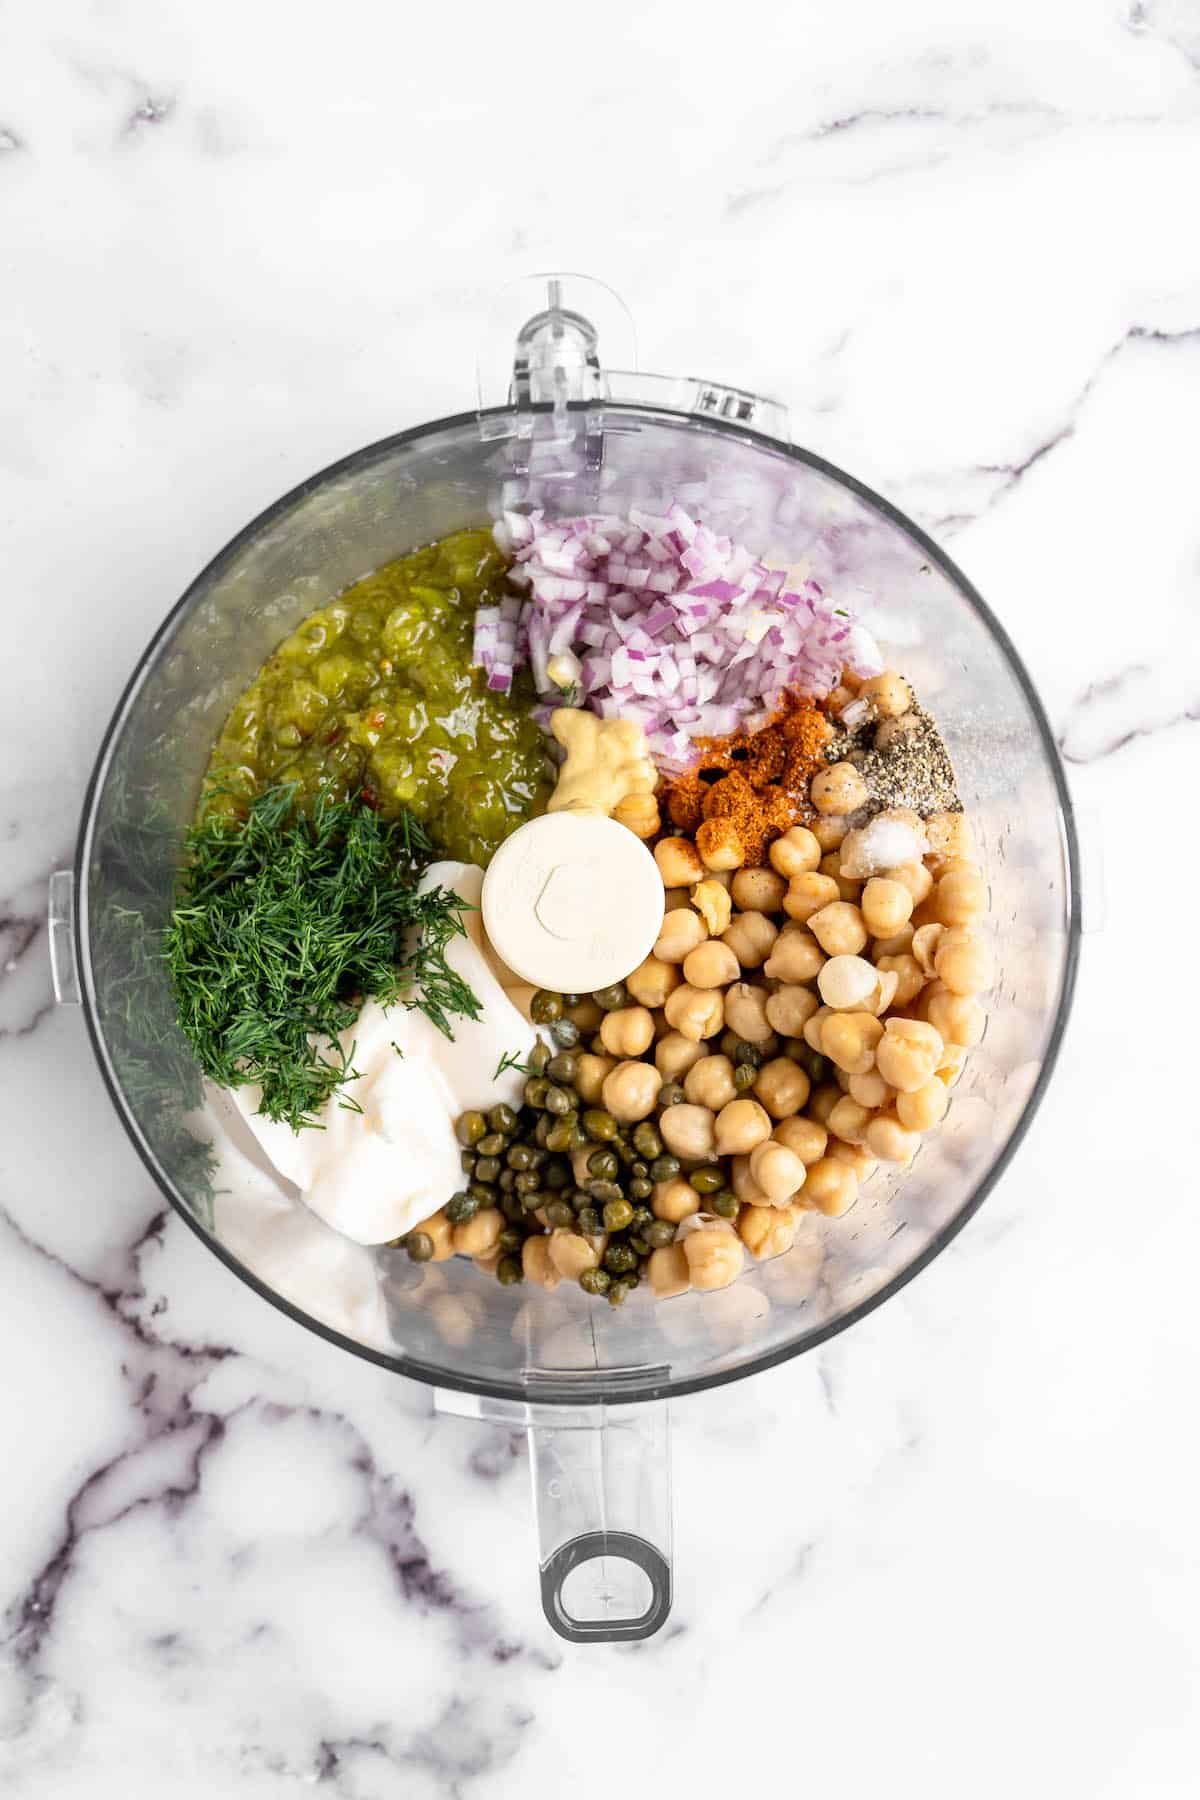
x=955, y=1550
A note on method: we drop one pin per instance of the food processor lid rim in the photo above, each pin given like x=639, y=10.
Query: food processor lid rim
x=588, y=1387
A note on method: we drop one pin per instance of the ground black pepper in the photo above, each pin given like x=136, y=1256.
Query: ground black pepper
x=913, y=770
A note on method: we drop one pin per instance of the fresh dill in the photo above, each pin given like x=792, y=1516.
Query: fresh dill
x=511, y=1061
x=285, y=923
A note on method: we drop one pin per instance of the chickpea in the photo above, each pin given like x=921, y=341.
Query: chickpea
x=830, y=831
x=909, y=979
x=838, y=789
x=831, y=1188
x=572, y=1254
x=950, y=835
x=778, y=1171
x=751, y=936
x=477, y=1236
x=849, y=1120
x=908, y=1053
x=789, y=1009
x=814, y=1028
x=954, y=1057
x=915, y=877
x=709, y=1082
x=822, y=1101
x=627, y=1031
x=870, y=1089
x=681, y=931
x=746, y=1012
x=652, y=981
x=926, y=998
x=807, y=894
x=963, y=961
x=710, y=965
x=586, y=1015
x=839, y=928
x=674, y=1055
x=886, y=906
x=759, y=890
x=890, y=732
x=536, y=1264
x=850, y=1040
x=639, y=814
x=741, y=1126
x=712, y=902
x=456, y=1317
x=797, y=956
x=847, y=983
x=667, y=1271
x=688, y=1132
x=961, y=895
x=630, y=1091
x=854, y=1156
x=782, y=1086
x=678, y=862
x=744, y=1184
x=924, y=946
x=714, y=1255
x=888, y=1139
x=797, y=852
x=805, y=1138
x=925, y=1108
x=766, y=1231
x=848, y=886
x=438, y=1227
x=674, y=1200
x=590, y=1072
x=890, y=693
x=696, y=1012
x=719, y=845
x=958, y=1017
x=898, y=944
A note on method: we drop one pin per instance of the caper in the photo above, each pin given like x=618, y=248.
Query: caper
x=706, y=1181
x=617, y=1214
x=563, y=1067
x=602, y=1192
x=565, y=1033
x=519, y=1157
x=579, y=1137
x=647, y=1140
x=559, y=1213
x=510, y=1239
x=618, y=1291
x=641, y=1218
x=493, y=1144
x=724, y=1203
x=664, y=1168
x=638, y=1244
x=543, y=1128
x=728, y=1043
x=471, y=1128
x=598, y=1124
x=571, y=999
x=748, y=1055
x=479, y=1192
x=561, y=1134
x=659, y=1234
x=461, y=1207
x=467, y=1159
x=609, y=999
x=507, y=1178
x=639, y=1170
x=619, y=1259
x=419, y=1245
x=603, y=1164
x=487, y=1169
x=513, y=1206
x=595, y=1281
x=670, y=1094
x=527, y=1182
x=509, y=1271
x=556, y=1174
x=640, y=1188
x=559, y=1102
x=536, y=1089
x=744, y=1078
x=538, y=1057
x=545, y=1007
x=588, y=1221
x=502, y=1118
x=815, y=1066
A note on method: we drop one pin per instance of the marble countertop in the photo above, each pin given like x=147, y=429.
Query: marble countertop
x=954, y=1550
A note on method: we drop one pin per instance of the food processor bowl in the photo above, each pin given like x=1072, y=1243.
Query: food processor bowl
x=588, y=1382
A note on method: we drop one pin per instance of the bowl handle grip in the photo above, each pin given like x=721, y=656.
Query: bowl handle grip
x=602, y=1493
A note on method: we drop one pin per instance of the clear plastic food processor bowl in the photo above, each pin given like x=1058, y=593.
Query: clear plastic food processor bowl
x=590, y=1384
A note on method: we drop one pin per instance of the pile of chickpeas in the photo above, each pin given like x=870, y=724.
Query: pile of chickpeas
x=794, y=1026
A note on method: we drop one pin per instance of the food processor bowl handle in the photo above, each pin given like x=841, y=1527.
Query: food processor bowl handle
x=602, y=1495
